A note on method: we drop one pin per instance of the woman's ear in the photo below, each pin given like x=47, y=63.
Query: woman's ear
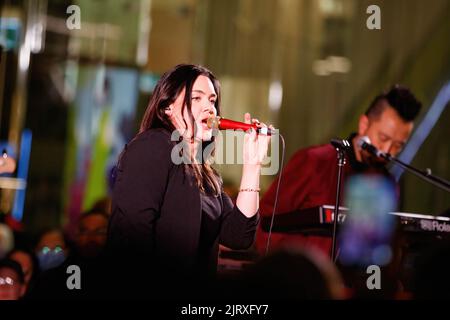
x=168, y=111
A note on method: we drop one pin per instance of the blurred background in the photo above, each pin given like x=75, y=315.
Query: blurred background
x=76, y=77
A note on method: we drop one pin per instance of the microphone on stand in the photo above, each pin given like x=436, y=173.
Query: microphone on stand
x=226, y=124
x=364, y=144
x=340, y=144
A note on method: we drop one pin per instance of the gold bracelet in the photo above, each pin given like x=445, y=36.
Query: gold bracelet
x=249, y=190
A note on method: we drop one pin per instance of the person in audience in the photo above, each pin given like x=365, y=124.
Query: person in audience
x=29, y=264
x=12, y=284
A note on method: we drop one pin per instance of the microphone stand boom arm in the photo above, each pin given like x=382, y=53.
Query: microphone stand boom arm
x=424, y=175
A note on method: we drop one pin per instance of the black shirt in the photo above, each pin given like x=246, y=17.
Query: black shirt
x=210, y=227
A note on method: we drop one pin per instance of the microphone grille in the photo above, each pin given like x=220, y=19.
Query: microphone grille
x=213, y=122
x=362, y=140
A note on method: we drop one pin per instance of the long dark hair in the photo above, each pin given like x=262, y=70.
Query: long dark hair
x=166, y=91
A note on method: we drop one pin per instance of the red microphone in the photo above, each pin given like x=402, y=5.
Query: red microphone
x=226, y=124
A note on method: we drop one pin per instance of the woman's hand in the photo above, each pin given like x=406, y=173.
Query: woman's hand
x=255, y=150
x=255, y=145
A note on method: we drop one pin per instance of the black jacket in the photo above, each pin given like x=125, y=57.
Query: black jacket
x=156, y=208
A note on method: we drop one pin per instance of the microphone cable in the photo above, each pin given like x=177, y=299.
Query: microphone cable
x=283, y=146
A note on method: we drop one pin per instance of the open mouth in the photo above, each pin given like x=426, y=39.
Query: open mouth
x=205, y=123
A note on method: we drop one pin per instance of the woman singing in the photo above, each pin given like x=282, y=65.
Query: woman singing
x=177, y=214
